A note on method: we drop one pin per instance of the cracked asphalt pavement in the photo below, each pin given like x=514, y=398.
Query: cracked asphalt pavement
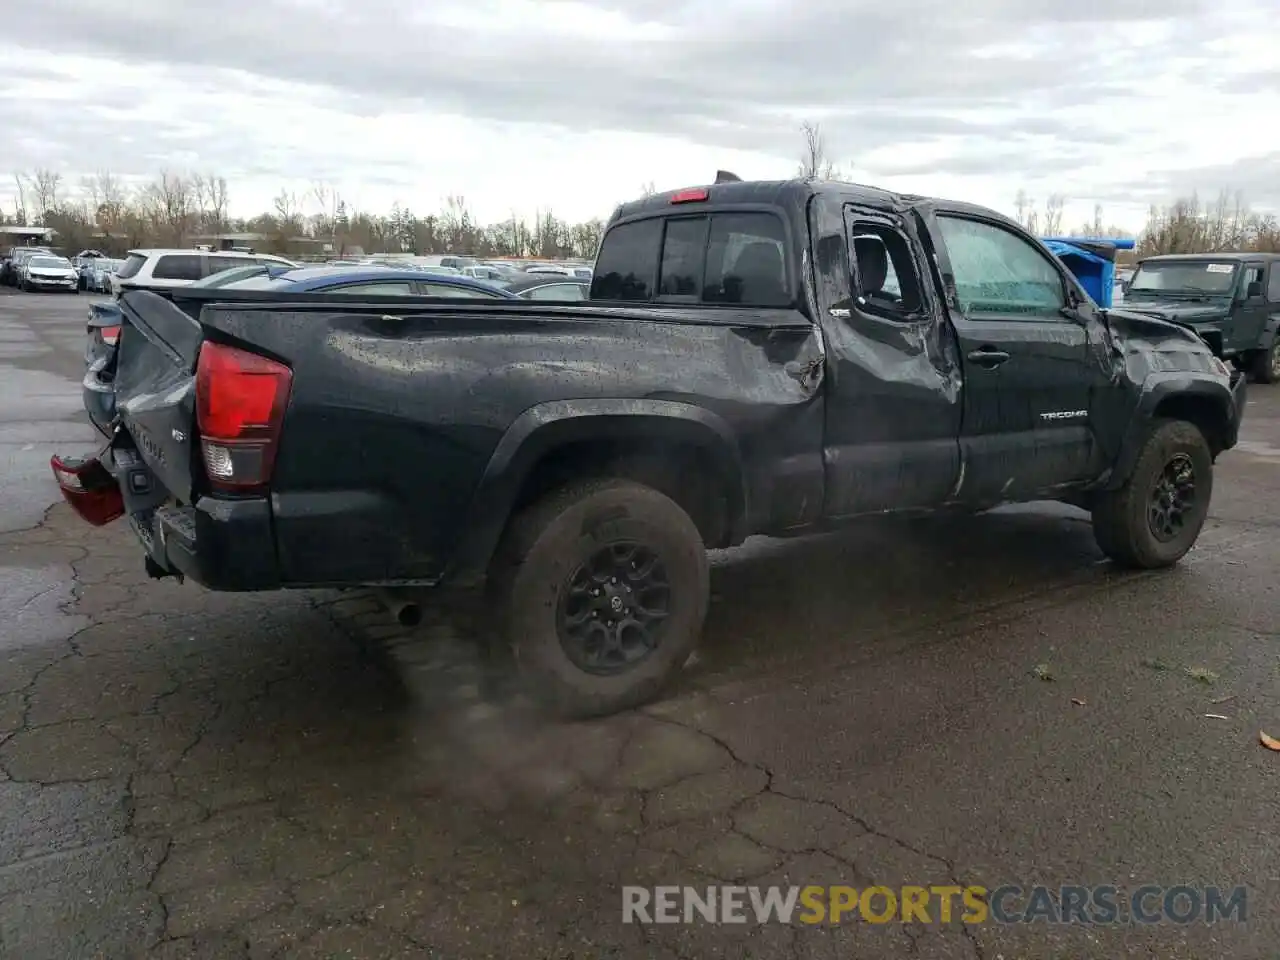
x=192, y=775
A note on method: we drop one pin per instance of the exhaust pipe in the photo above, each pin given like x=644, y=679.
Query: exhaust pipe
x=405, y=608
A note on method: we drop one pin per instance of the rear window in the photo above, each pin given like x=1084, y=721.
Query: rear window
x=628, y=262
x=726, y=258
x=132, y=264
x=176, y=266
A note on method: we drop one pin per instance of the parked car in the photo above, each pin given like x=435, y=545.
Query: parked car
x=1232, y=300
x=582, y=273
x=99, y=278
x=48, y=271
x=453, y=261
x=546, y=286
x=743, y=367
x=489, y=271
x=16, y=258
x=371, y=282
x=179, y=268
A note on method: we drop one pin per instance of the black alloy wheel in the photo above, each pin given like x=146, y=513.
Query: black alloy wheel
x=613, y=608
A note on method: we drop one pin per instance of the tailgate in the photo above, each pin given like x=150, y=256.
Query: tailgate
x=155, y=386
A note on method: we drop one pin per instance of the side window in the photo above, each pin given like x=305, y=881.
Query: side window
x=444, y=290
x=378, y=288
x=1273, y=285
x=628, y=261
x=558, y=291
x=886, y=276
x=218, y=264
x=998, y=272
x=746, y=262
x=178, y=267
x=1252, y=274
x=684, y=246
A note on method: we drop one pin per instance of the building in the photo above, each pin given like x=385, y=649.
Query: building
x=14, y=236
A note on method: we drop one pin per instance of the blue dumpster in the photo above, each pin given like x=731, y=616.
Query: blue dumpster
x=1092, y=260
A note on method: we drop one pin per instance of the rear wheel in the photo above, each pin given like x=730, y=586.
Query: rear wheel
x=603, y=588
x=1155, y=518
x=1266, y=363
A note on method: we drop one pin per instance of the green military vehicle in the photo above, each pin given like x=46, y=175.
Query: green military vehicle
x=1232, y=300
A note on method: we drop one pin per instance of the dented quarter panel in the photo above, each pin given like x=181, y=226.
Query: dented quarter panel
x=423, y=422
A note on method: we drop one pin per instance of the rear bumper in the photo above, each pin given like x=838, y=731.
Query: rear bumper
x=220, y=544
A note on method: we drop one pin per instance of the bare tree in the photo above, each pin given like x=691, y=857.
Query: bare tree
x=1053, y=208
x=814, y=162
x=209, y=196
x=327, y=198
x=168, y=203
x=45, y=184
x=288, y=211
x=648, y=189
x=20, y=198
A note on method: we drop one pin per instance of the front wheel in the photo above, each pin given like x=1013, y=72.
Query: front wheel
x=603, y=588
x=1155, y=518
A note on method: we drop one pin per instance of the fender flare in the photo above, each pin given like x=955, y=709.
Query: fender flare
x=1158, y=388
x=546, y=426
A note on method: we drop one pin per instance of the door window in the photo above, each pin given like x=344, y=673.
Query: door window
x=885, y=275
x=445, y=290
x=1252, y=274
x=998, y=272
x=380, y=288
x=179, y=267
x=1273, y=286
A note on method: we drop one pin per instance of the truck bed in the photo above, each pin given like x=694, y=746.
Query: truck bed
x=386, y=393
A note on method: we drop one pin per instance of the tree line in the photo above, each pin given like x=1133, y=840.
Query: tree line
x=104, y=212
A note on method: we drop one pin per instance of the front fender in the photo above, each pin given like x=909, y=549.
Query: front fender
x=547, y=426
x=1223, y=400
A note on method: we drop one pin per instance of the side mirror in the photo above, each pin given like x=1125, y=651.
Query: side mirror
x=1254, y=289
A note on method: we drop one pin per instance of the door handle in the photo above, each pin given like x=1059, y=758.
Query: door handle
x=988, y=357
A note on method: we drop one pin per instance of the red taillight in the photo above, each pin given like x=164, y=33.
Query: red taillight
x=694, y=195
x=109, y=335
x=89, y=488
x=240, y=403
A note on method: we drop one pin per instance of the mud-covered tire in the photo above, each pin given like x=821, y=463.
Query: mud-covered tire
x=541, y=550
x=1265, y=367
x=1121, y=518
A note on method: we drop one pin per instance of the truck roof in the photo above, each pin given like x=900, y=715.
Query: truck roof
x=792, y=193
x=1237, y=255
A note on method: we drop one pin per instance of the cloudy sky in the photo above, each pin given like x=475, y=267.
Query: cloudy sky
x=520, y=104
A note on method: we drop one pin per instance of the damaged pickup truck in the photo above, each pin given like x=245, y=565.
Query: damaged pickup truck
x=757, y=358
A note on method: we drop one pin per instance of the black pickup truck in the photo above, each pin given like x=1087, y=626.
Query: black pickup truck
x=756, y=358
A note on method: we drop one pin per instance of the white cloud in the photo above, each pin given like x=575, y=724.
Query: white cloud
x=519, y=105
